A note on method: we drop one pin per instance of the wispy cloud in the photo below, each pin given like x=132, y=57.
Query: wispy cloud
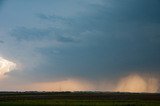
x=32, y=34
x=50, y=17
x=23, y=33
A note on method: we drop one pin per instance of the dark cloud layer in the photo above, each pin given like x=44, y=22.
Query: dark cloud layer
x=1, y=2
x=95, y=40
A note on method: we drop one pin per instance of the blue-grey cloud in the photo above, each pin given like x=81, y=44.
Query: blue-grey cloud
x=32, y=34
x=23, y=33
x=66, y=39
x=1, y=2
x=50, y=17
x=126, y=42
x=1, y=41
x=97, y=40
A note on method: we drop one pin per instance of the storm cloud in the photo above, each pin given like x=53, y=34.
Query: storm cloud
x=98, y=40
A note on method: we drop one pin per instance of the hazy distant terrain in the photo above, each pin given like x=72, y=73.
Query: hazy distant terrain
x=78, y=99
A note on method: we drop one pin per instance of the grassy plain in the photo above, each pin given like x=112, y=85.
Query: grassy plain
x=78, y=99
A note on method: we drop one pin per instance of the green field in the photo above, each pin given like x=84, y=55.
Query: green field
x=78, y=103
x=77, y=99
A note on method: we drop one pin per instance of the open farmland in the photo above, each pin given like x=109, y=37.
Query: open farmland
x=78, y=99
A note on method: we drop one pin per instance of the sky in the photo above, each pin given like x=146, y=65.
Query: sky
x=59, y=45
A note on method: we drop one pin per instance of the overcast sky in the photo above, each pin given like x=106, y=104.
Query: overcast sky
x=95, y=40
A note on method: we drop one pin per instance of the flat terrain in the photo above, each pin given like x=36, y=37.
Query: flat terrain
x=78, y=99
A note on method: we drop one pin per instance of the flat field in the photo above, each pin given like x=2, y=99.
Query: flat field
x=78, y=99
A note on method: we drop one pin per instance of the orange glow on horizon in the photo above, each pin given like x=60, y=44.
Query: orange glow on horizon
x=67, y=85
x=130, y=83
